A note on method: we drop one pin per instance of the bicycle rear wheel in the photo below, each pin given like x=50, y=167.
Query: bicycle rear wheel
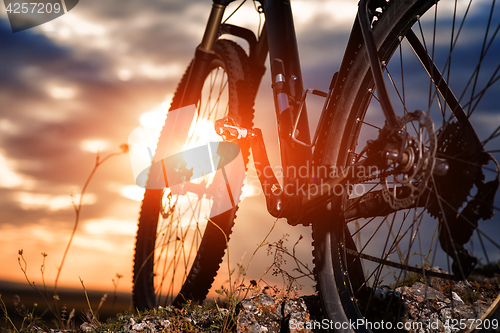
x=183, y=234
x=432, y=222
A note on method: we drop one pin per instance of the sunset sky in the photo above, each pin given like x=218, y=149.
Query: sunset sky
x=81, y=84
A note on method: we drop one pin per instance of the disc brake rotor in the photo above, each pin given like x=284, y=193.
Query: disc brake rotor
x=409, y=180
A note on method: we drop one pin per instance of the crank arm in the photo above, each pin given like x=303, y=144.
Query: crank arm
x=275, y=198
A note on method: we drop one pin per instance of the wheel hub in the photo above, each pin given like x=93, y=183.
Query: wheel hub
x=413, y=170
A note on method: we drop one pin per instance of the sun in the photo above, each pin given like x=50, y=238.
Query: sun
x=94, y=145
x=201, y=132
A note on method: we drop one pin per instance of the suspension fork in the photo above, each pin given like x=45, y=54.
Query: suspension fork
x=204, y=53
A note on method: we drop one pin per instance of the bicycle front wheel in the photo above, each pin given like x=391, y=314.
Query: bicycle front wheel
x=183, y=233
x=416, y=229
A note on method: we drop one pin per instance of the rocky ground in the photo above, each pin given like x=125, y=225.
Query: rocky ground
x=441, y=306
x=426, y=309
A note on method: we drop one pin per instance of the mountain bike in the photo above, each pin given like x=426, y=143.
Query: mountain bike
x=402, y=168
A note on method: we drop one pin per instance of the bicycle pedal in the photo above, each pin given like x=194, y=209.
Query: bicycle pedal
x=229, y=130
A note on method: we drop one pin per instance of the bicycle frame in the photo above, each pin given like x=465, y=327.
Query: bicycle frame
x=293, y=198
x=307, y=198
x=279, y=41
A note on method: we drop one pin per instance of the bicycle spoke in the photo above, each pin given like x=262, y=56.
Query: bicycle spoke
x=438, y=228
x=483, y=53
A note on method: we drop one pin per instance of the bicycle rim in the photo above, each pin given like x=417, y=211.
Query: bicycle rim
x=385, y=239
x=183, y=231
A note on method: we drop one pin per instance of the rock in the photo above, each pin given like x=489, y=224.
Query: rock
x=147, y=324
x=428, y=306
x=264, y=313
x=296, y=315
x=86, y=327
x=456, y=298
x=261, y=313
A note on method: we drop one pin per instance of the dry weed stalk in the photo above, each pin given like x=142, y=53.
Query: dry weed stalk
x=53, y=306
x=78, y=207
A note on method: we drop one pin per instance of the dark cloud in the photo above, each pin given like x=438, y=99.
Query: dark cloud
x=159, y=30
x=29, y=42
x=128, y=9
x=104, y=106
x=17, y=54
x=47, y=132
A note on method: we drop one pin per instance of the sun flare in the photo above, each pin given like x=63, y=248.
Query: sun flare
x=94, y=145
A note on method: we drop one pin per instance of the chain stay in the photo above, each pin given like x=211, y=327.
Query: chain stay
x=385, y=262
